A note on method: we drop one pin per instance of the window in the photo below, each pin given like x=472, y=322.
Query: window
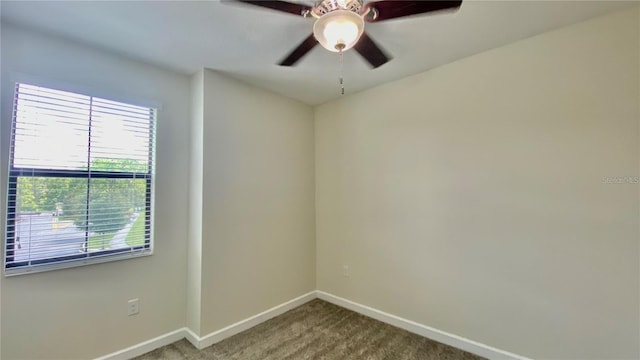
x=80, y=183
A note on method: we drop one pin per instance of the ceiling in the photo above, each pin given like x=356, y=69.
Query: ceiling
x=246, y=42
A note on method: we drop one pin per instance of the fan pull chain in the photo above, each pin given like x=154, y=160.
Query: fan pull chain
x=341, y=72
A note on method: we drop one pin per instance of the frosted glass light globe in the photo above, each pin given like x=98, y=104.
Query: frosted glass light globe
x=338, y=30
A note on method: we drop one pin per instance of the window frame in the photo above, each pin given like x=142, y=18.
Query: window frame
x=87, y=258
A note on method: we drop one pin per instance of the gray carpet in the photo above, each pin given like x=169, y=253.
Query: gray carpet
x=317, y=330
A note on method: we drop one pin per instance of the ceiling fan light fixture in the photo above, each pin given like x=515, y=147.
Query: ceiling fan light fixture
x=338, y=30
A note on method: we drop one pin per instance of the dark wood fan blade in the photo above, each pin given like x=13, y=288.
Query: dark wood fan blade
x=370, y=51
x=305, y=46
x=284, y=6
x=391, y=9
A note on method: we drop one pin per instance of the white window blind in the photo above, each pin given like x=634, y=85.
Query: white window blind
x=80, y=180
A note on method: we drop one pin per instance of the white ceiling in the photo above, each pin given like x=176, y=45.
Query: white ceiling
x=246, y=42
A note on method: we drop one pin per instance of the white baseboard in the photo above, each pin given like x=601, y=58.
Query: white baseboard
x=146, y=346
x=219, y=335
x=240, y=326
x=193, y=338
x=422, y=330
x=210, y=339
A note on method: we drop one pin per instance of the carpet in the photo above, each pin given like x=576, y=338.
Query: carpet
x=317, y=330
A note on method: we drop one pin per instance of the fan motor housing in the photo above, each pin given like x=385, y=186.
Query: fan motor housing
x=326, y=6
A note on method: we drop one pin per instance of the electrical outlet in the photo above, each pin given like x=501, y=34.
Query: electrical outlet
x=345, y=270
x=133, y=307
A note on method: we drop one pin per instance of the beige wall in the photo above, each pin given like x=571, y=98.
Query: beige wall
x=470, y=198
x=235, y=212
x=82, y=312
x=258, y=234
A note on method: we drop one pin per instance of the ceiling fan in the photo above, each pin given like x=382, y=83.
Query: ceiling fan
x=339, y=24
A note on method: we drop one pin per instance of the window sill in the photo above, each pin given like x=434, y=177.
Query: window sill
x=76, y=263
